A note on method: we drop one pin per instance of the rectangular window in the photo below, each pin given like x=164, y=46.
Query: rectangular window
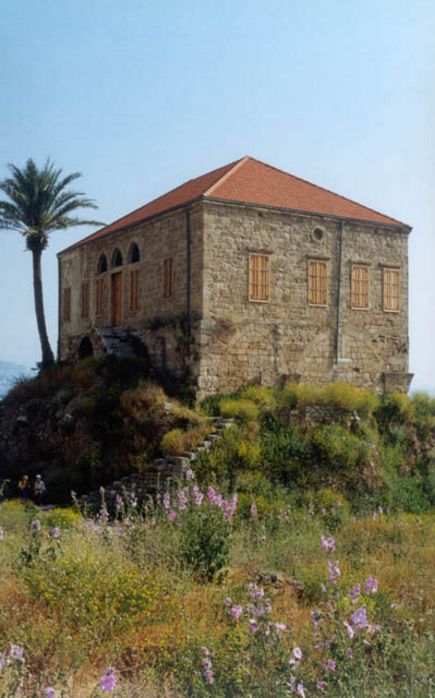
x=99, y=297
x=134, y=291
x=259, y=277
x=317, y=283
x=359, y=287
x=168, y=277
x=66, y=304
x=85, y=300
x=391, y=290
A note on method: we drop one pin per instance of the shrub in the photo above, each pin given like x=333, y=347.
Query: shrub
x=332, y=506
x=243, y=410
x=205, y=541
x=249, y=453
x=261, y=395
x=342, y=395
x=394, y=410
x=177, y=441
x=60, y=518
x=15, y=515
x=337, y=447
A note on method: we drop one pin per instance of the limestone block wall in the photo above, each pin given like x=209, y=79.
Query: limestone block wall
x=158, y=319
x=243, y=341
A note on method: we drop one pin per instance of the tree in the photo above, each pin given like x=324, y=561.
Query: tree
x=39, y=202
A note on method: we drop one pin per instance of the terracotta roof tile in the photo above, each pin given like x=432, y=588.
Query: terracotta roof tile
x=250, y=181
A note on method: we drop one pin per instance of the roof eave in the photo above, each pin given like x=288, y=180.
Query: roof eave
x=397, y=225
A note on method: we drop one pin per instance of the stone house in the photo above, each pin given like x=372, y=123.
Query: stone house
x=245, y=274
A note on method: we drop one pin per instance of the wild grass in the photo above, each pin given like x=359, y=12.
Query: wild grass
x=87, y=594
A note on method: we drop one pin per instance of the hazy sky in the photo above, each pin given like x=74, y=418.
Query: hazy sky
x=140, y=95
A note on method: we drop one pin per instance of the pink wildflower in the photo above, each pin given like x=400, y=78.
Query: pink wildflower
x=108, y=680
x=55, y=533
x=49, y=692
x=190, y=475
x=172, y=515
x=35, y=525
x=354, y=592
x=281, y=627
x=334, y=571
x=182, y=499
x=329, y=665
x=228, y=602
x=236, y=612
x=359, y=619
x=297, y=653
x=371, y=585
x=253, y=625
x=197, y=495
x=322, y=685
x=328, y=544
x=166, y=500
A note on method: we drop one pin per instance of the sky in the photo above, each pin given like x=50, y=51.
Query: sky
x=141, y=95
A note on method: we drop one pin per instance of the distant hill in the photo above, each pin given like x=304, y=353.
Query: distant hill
x=9, y=372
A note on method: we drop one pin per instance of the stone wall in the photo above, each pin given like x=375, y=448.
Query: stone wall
x=230, y=340
x=159, y=321
x=243, y=341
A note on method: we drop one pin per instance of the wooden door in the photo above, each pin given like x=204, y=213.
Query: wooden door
x=117, y=299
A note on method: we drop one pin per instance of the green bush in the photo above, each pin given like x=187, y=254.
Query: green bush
x=394, y=410
x=337, y=448
x=176, y=441
x=261, y=395
x=60, y=518
x=243, y=410
x=205, y=541
x=341, y=395
x=332, y=506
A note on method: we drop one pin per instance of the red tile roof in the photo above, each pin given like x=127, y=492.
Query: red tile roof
x=250, y=181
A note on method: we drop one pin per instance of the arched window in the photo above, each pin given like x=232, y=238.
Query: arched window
x=117, y=258
x=102, y=264
x=133, y=254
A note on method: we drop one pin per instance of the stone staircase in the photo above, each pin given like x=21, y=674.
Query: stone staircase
x=121, y=342
x=156, y=478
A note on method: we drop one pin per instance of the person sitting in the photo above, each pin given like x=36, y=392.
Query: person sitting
x=24, y=488
x=39, y=490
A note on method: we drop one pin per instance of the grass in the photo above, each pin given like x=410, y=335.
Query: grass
x=123, y=595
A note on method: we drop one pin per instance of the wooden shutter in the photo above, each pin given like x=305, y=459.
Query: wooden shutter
x=134, y=290
x=391, y=290
x=168, y=277
x=317, y=283
x=99, y=297
x=259, y=277
x=66, y=305
x=85, y=300
x=360, y=286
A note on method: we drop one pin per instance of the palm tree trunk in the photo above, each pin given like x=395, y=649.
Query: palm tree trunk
x=47, y=354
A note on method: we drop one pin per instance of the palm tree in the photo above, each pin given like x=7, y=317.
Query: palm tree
x=38, y=203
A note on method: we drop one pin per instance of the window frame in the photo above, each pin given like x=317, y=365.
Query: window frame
x=353, y=268
x=325, y=263
x=259, y=285
x=385, y=271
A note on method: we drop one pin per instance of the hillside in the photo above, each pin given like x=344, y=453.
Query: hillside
x=100, y=420
x=293, y=558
